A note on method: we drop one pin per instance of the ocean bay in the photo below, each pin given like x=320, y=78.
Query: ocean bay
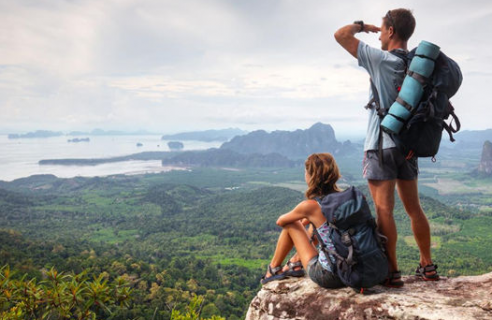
x=19, y=157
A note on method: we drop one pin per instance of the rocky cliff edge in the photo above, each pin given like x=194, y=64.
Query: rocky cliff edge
x=463, y=298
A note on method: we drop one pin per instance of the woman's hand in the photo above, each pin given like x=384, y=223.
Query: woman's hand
x=305, y=222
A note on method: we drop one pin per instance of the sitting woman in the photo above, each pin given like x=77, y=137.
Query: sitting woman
x=321, y=176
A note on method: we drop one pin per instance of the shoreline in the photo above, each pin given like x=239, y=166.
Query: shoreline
x=129, y=168
x=142, y=156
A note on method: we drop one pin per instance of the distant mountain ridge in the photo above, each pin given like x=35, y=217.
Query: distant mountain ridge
x=292, y=144
x=228, y=158
x=468, y=138
x=95, y=132
x=207, y=135
x=36, y=134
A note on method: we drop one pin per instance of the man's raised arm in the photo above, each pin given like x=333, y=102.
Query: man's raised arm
x=345, y=36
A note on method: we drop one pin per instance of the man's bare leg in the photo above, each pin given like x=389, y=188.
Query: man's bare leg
x=383, y=195
x=409, y=195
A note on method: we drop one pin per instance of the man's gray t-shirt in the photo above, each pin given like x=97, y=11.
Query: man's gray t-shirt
x=387, y=72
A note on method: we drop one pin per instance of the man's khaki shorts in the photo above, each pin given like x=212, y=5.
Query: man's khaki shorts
x=394, y=165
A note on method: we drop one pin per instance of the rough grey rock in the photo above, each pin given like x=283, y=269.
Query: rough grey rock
x=486, y=161
x=463, y=298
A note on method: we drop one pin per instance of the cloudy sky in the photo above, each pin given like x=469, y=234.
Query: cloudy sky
x=182, y=65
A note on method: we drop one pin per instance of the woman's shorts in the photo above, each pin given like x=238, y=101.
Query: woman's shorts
x=321, y=276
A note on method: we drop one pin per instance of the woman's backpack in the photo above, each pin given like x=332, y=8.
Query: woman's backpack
x=359, y=248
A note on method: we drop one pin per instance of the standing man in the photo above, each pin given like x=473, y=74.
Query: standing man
x=387, y=71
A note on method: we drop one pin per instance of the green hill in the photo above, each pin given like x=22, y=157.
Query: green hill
x=206, y=232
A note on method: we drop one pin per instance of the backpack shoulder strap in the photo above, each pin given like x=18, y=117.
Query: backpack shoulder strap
x=375, y=100
x=400, y=53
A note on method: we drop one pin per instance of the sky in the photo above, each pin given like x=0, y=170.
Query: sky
x=170, y=66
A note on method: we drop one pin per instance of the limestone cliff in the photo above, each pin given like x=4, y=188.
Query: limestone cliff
x=291, y=144
x=485, y=166
x=463, y=298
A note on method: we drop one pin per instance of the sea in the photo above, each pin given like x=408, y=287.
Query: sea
x=19, y=157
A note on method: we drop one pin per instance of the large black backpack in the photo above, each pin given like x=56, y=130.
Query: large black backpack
x=421, y=135
x=359, y=250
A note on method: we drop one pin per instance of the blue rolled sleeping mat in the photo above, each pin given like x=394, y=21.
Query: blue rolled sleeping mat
x=412, y=89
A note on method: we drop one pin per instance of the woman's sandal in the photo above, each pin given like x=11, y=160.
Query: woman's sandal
x=293, y=269
x=427, y=273
x=393, y=280
x=274, y=275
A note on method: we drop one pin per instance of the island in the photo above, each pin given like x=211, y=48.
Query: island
x=175, y=145
x=35, y=134
x=76, y=140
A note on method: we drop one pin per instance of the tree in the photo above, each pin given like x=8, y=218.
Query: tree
x=193, y=311
x=73, y=296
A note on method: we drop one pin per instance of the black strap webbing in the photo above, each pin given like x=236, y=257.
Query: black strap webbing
x=380, y=148
x=449, y=127
x=404, y=103
x=375, y=100
x=424, y=56
x=417, y=76
x=457, y=126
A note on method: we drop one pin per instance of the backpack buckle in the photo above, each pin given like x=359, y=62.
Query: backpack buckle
x=346, y=240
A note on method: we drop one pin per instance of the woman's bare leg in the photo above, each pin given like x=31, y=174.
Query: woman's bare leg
x=314, y=241
x=293, y=234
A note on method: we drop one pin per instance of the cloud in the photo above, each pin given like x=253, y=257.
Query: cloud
x=275, y=81
x=179, y=65
x=56, y=37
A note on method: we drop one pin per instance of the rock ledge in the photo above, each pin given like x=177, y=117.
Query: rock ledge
x=463, y=298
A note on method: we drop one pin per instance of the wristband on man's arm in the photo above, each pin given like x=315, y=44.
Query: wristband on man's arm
x=361, y=24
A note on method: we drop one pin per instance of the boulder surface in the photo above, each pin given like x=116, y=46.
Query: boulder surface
x=463, y=298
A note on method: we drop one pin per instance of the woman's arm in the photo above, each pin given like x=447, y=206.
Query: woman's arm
x=303, y=210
